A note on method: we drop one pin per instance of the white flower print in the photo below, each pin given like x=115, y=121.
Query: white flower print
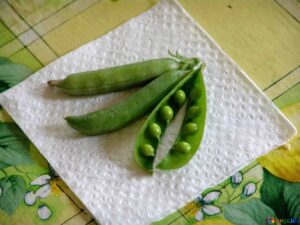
x=44, y=212
x=41, y=180
x=30, y=198
x=249, y=189
x=207, y=207
x=237, y=178
x=43, y=191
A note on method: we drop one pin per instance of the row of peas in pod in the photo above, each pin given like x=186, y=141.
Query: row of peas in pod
x=190, y=90
x=168, y=81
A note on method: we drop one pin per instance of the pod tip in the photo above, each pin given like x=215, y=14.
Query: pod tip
x=53, y=82
x=68, y=118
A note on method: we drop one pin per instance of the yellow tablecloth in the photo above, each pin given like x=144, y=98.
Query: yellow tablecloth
x=261, y=36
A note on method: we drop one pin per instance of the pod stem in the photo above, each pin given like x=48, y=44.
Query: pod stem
x=200, y=66
x=187, y=62
x=54, y=82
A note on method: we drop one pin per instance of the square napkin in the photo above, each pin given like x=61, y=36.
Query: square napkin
x=241, y=123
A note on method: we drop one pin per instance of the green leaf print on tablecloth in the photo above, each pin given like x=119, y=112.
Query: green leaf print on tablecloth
x=14, y=146
x=282, y=196
x=291, y=196
x=252, y=212
x=208, y=208
x=11, y=74
x=272, y=194
x=3, y=165
x=4, y=60
x=30, y=191
x=12, y=190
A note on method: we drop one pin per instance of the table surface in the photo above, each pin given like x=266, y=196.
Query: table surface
x=262, y=36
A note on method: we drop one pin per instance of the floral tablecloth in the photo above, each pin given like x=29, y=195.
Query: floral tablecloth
x=262, y=36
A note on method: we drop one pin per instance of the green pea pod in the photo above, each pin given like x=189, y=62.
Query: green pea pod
x=128, y=110
x=192, y=129
x=160, y=117
x=120, y=77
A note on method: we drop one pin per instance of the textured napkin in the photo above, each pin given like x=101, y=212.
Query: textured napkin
x=241, y=124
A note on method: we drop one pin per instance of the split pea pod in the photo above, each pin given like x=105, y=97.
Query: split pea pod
x=192, y=128
x=121, y=114
x=120, y=77
x=149, y=135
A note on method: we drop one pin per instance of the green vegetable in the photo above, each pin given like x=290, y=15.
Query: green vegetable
x=154, y=130
x=179, y=97
x=147, y=150
x=128, y=110
x=120, y=77
x=166, y=113
x=162, y=116
x=190, y=128
x=193, y=111
x=182, y=147
x=191, y=133
x=195, y=93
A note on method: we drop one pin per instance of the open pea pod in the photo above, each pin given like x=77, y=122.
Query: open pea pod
x=192, y=128
x=149, y=135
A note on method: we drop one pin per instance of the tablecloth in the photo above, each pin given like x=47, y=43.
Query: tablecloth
x=262, y=36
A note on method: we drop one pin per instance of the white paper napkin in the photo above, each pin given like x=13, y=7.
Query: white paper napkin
x=241, y=125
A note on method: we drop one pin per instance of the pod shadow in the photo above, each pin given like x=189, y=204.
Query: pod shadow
x=119, y=148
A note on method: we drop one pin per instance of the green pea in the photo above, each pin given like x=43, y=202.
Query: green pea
x=147, y=150
x=182, y=147
x=193, y=111
x=154, y=130
x=190, y=128
x=179, y=97
x=195, y=93
x=166, y=113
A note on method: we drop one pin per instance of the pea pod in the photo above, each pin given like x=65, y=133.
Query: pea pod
x=120, y=77
x=128, y=110
x=161, y=116
x=192, y=129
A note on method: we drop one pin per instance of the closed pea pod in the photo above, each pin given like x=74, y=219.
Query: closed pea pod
x=190, y=136
x=128, y=110
x=161, y=116
x=120, y=77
